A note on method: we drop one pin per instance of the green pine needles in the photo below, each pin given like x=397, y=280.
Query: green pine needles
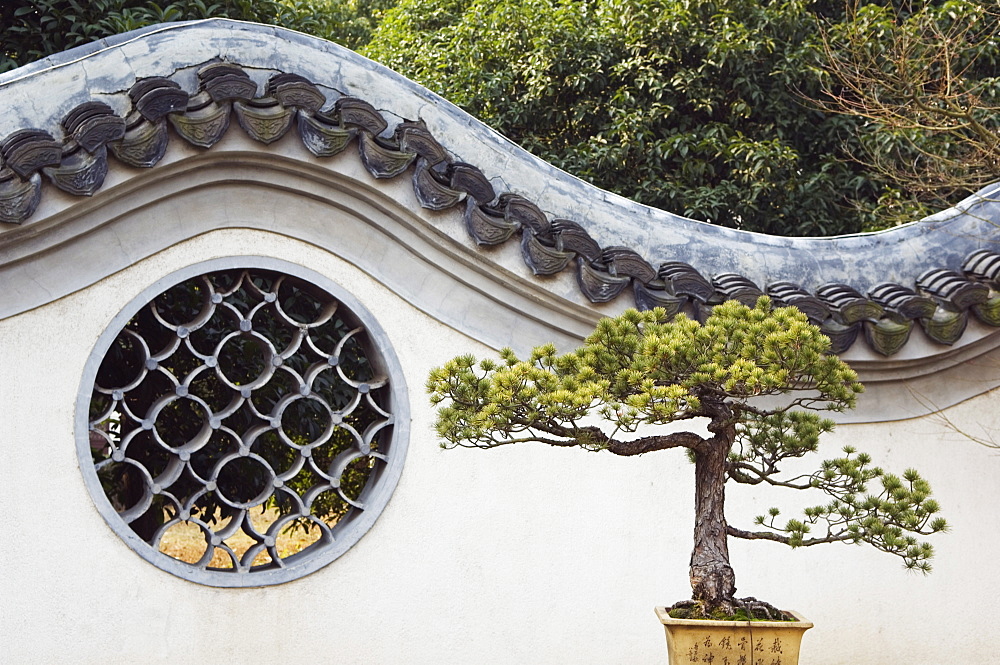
x=759, y=376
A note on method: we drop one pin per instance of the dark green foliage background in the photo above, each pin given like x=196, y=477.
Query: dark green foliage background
x=35, y=29
x=692, y=107
x=699, y=107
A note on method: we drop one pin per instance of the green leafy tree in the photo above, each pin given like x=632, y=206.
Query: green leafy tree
x=33, y=29
x=694, y=107
x=790, y=118
x=757, y=377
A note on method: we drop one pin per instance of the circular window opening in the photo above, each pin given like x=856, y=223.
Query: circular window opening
x=242, y=426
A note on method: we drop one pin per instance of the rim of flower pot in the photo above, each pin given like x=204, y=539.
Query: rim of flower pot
x=667, y=620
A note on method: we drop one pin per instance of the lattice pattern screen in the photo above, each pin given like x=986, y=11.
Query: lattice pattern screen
x=237, y=422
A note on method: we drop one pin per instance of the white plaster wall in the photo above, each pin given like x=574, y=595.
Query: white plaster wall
x=518, y=555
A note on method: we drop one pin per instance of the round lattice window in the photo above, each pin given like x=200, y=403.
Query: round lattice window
x=243, y=427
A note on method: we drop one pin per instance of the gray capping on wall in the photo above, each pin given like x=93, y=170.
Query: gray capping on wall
x=126, y=128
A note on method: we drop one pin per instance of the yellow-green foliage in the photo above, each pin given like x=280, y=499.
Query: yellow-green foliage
x=758, y=375
x=639, y=368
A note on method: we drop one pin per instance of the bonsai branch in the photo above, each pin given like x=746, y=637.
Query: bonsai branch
x=746, y=474
x=787, y=540
x=600, y=441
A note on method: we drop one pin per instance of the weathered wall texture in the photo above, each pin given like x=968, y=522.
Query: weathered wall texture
x=514, y=555
x=519, y=555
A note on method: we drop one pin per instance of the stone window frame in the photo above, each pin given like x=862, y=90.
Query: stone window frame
x=347, y=531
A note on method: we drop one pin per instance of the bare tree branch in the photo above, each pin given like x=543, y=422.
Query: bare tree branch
x=925, y=83
x=778, y=538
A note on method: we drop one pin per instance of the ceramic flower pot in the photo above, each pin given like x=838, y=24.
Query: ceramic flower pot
x=733, y=642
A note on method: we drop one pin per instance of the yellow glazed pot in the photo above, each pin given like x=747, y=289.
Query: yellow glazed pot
x=733, y=642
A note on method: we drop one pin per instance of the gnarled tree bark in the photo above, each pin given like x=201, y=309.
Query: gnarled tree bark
x=712, y=579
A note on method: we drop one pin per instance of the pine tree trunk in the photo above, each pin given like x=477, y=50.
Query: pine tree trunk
x=712, y=578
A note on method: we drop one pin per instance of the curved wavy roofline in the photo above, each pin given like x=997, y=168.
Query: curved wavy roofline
x=953, y=221
x=936, y=278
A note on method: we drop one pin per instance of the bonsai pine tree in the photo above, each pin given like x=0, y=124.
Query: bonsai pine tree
x=756, y=377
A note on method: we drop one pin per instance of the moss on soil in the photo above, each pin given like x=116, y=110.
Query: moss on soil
x=753, y=610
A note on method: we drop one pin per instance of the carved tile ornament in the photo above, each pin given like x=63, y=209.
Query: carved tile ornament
x=940, y=301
